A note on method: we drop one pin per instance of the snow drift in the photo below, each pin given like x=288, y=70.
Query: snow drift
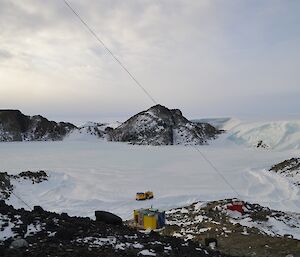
x=279, y=135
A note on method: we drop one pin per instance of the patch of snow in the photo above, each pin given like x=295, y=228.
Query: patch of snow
x=147, y=252
x=275, y=226
x=279, y=135
x=6, y=225
x=33, y=229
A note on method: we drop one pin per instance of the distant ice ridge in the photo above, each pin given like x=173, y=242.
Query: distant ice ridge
x=277, y=135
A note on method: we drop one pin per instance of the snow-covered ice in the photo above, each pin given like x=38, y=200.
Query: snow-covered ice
x=88, y=175
x=279, y=135
x=97, y=175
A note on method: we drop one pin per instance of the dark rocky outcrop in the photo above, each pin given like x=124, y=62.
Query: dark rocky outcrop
x=289, y=168
x=162, y=126
x=15, y=126
x=287, y=165
x=5, y=185
x=34, y=176
x=51, y=234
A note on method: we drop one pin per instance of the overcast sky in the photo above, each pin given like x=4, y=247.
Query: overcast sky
x=206, y=57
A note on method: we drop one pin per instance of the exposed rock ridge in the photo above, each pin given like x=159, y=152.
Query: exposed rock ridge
x=162, y=126
x=15, y=126
x=290, y=169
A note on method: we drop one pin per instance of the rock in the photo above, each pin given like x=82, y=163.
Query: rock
x=77, y=237
x=108, y=218
x=211, y=242
x=34, y=176
x=38, y=209
x=290, y=169
x=19, y=243
x=66, y=233
x=15, y=126
x=261, y=144
x=64, y=215
x=5, y=186
x=289, y=165
x=162, y=126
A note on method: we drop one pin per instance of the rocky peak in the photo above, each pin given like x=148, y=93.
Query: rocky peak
x=162, y=126
x=15, y=126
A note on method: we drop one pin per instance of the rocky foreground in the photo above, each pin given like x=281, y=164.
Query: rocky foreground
x=257, y=231
x=41, y=233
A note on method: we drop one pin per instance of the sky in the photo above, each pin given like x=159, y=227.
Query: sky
x=209, y=58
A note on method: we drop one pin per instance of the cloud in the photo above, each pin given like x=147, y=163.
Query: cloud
x=4, y=54
x=200, y=56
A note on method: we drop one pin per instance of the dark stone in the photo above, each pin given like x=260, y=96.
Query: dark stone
x=38, y=209
x=64, y=215
x=66, y=233
x=210, y=240
x=108, y=218
x=2, y=203
x=19, y=243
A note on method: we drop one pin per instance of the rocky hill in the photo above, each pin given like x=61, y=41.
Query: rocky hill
x=91, y=131
x=41, y=233
x=162, y=126
x=257, y=231
x=290, y=169
x=15, y=126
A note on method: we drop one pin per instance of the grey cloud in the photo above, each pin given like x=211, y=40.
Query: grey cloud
x=201, y=56
x=4, y=54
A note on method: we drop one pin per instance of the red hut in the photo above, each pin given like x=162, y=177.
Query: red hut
x=236, y=206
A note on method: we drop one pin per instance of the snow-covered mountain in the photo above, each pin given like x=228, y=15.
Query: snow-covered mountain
x=15, y=126
x=91, y=131
x=162, y=126
x=155, y=126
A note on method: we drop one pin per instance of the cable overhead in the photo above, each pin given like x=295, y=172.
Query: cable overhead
x=217, y=171
x=18, y=197
x=144, y=90
x=109, y=51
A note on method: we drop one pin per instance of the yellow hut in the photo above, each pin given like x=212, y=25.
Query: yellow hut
x=149, y=218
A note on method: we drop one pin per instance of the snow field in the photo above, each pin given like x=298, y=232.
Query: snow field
x=96, y=175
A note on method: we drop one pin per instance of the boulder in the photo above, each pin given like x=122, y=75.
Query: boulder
x=19, y=243
x=108, y=218
x=38, y=209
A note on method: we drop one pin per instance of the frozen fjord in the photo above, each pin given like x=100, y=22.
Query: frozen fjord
x=97, y=175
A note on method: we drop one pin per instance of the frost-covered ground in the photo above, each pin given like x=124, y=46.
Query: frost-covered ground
x=92, y=175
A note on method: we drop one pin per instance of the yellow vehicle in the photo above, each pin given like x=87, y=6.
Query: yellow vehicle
x=140, y=196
